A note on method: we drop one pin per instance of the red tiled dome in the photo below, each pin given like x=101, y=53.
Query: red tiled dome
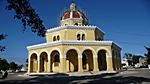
x=76, y=14
x=66, y=15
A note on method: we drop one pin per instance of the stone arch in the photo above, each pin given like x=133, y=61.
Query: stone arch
x=57, y=49
x=43, y=61
x=108, y=52
x=72, y=60
x=34, y=52
x=102, y=59
x=81, y=32
x=93, y=51
x=55, y=61
x=44, y=50
x=88, y=54
x=72, y=47
x=33, y=62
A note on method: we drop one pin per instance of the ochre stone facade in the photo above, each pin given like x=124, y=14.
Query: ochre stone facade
x=74, y=47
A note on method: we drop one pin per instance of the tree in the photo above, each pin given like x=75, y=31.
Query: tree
x=2, y=37
x=20, y=66
x=135, y=59
x=27, y=15
x=4, y=65
x=13, y=66
x=148, y=54
x=27, y=62
x=128, y=56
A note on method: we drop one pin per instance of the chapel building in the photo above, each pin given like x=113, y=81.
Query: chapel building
x=74, y=46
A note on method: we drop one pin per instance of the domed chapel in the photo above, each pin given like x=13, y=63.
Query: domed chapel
x=74, y=46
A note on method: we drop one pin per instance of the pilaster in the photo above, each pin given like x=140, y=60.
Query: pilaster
x=49, y=64
x=109, y=63
x=38, y=58
x=96, y=64
x=80, y=68
x=29, y=65
x=63, y=65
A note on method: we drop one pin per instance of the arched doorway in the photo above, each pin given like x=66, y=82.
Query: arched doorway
x=102, y=63
x=55, y=61
x=72, y=60
x=43, y=62
x=33, y=63
x=87, y=60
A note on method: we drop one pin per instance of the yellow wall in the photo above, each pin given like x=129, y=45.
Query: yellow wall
x=70, y=34
x=62, y=49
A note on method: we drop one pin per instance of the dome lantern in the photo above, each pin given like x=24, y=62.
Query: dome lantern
x=72, y=6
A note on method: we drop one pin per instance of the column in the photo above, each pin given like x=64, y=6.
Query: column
x=49, y=63
x=63, y=64
x=29, y=64
x=38, y=71
x=80, y=68
x=96, y=64
x=109, y=63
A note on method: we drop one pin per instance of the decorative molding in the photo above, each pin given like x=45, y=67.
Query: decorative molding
x=57, y=49
x=116, y=47
x=72, y=47
x=77, y=19
x=72, y=27
x=108, y=52
x=33, y=52
x=71, y=42
x=44, y=50
x=93, y=51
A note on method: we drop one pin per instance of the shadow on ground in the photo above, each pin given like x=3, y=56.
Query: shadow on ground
x=93, y=79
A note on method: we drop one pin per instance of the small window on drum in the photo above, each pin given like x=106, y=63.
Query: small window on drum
x=54, y=38
x=58, y=38
x=78, y=37
x=76, y=24
x=83, y=36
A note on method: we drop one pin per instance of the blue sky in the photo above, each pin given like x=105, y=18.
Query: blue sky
x=126, y=22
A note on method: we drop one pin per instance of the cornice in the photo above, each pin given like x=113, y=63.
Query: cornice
x=77, y=19
x=71, y=42
x=87, y=27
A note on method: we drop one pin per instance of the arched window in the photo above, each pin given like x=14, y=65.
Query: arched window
x=76, y=24
x=58, y=38
x=83, y=36
x=78, y=37
x=54, y=38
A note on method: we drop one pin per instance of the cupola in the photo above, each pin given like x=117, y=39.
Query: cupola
x=73, y=16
